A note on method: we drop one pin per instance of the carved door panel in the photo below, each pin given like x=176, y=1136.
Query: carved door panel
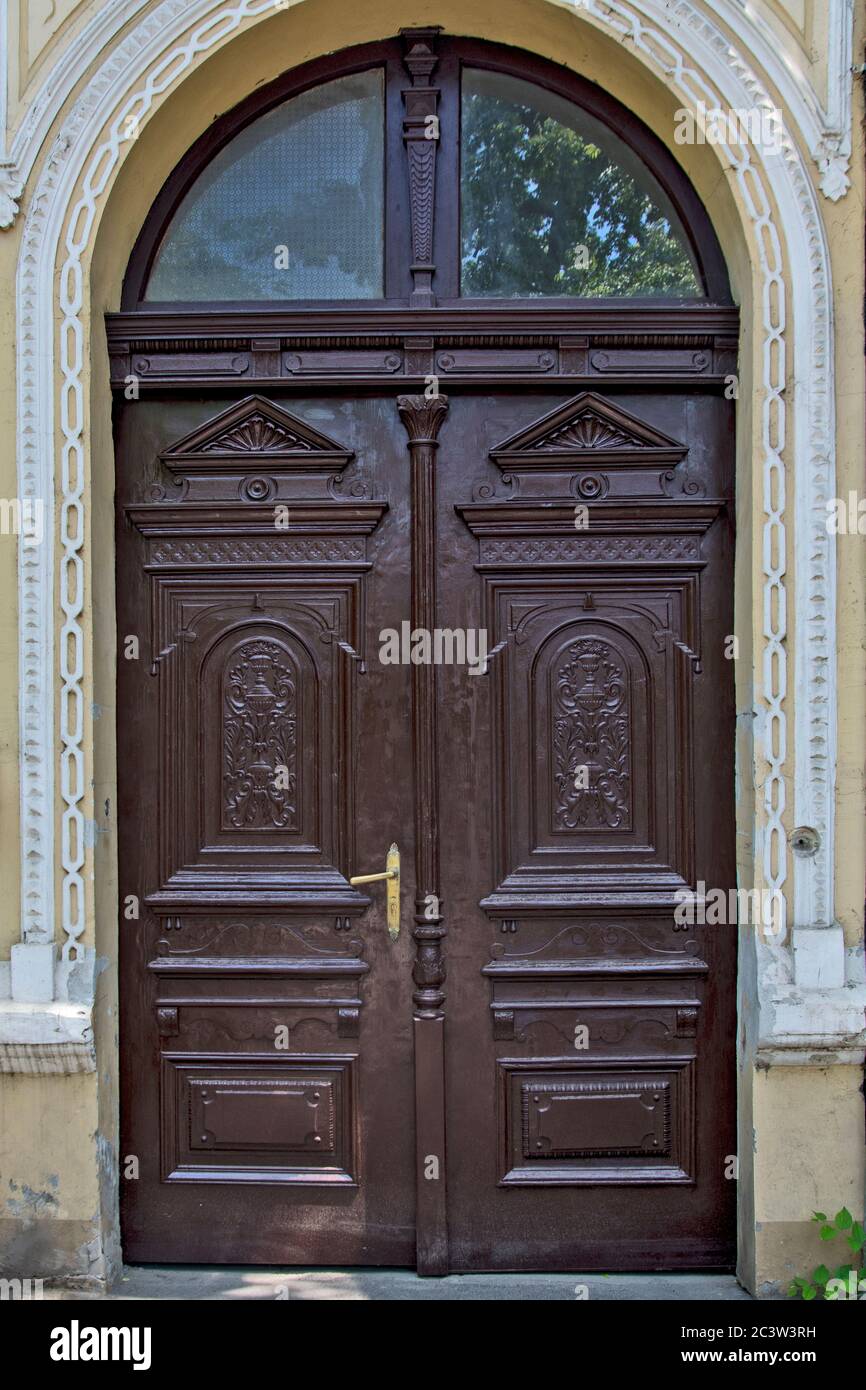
x=266, y=1015
x=587, y=779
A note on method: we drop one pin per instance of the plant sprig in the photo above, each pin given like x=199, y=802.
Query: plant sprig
x=825, y=1282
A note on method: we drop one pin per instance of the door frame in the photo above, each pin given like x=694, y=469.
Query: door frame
x=464, y=340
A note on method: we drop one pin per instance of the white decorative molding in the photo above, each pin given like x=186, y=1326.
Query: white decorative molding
x=819, y=1018
x=10, y=193
x=36, y=449
x=826, y=125
x=46, y=1039
x=685, y=48
x=18, y=156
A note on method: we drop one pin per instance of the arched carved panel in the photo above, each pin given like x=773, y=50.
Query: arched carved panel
x=254, y=647
x=594, y=703
x=594, y=624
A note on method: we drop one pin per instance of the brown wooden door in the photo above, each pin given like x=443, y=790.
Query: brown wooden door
x=585, y=780
x=524, y=444
x=265, y=1023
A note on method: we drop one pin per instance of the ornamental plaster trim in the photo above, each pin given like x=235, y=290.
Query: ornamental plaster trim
x=824, y=124
x=19, y=154
x=683, y=46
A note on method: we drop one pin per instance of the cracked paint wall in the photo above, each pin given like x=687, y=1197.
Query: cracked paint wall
x=49, y=1187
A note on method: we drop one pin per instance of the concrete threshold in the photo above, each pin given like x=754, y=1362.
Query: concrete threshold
x=244, y=1284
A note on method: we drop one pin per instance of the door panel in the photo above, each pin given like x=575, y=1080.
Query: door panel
x=266, y=1019
x=589, y=776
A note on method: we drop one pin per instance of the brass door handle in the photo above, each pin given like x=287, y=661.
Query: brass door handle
x=392, y=877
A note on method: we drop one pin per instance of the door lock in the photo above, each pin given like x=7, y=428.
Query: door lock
x=392, y=878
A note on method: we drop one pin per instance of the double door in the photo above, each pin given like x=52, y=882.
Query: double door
x=489, y=632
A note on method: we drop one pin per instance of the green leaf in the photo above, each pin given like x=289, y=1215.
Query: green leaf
x=819, y=1216
x=809, y=1292
x=828, y=1232
x=857, y=1233
x=821, y=1274
x=844, y=1219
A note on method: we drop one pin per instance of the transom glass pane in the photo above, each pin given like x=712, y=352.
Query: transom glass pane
x=291, y=208
x=553, y=203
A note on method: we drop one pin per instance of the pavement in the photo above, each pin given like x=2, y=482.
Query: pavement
x=243, y=1284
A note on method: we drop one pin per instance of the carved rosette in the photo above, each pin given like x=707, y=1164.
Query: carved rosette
x=255, y=434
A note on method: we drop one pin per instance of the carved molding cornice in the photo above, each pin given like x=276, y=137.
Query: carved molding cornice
x=464, y=344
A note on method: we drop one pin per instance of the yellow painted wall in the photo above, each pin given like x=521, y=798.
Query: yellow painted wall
x=50, y=1161
x=808, y=1134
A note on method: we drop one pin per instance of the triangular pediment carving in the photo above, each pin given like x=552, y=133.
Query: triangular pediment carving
x=588, y=429
x=255, y=428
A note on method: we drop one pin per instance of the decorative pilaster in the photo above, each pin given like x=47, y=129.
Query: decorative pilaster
x=423, y=416
x=421, y=136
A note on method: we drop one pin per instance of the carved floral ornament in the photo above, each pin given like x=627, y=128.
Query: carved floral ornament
x=591, y=736
x=699, y=59
x=260, y=739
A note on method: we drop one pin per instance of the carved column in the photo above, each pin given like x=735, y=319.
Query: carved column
x=421, y=135
x=423, y=418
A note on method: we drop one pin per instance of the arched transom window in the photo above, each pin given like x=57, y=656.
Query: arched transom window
x=324, y=190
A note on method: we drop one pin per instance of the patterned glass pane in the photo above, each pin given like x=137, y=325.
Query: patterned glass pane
x=553, y=203
x=291, y=208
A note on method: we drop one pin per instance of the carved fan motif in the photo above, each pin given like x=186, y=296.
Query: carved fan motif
x=591, y=742
x=256, y=435
x=260, y=773
x=588, y=431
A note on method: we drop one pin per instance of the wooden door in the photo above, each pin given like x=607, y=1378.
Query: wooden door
x=587, y=780
x=264, y=757
x=446, y=565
